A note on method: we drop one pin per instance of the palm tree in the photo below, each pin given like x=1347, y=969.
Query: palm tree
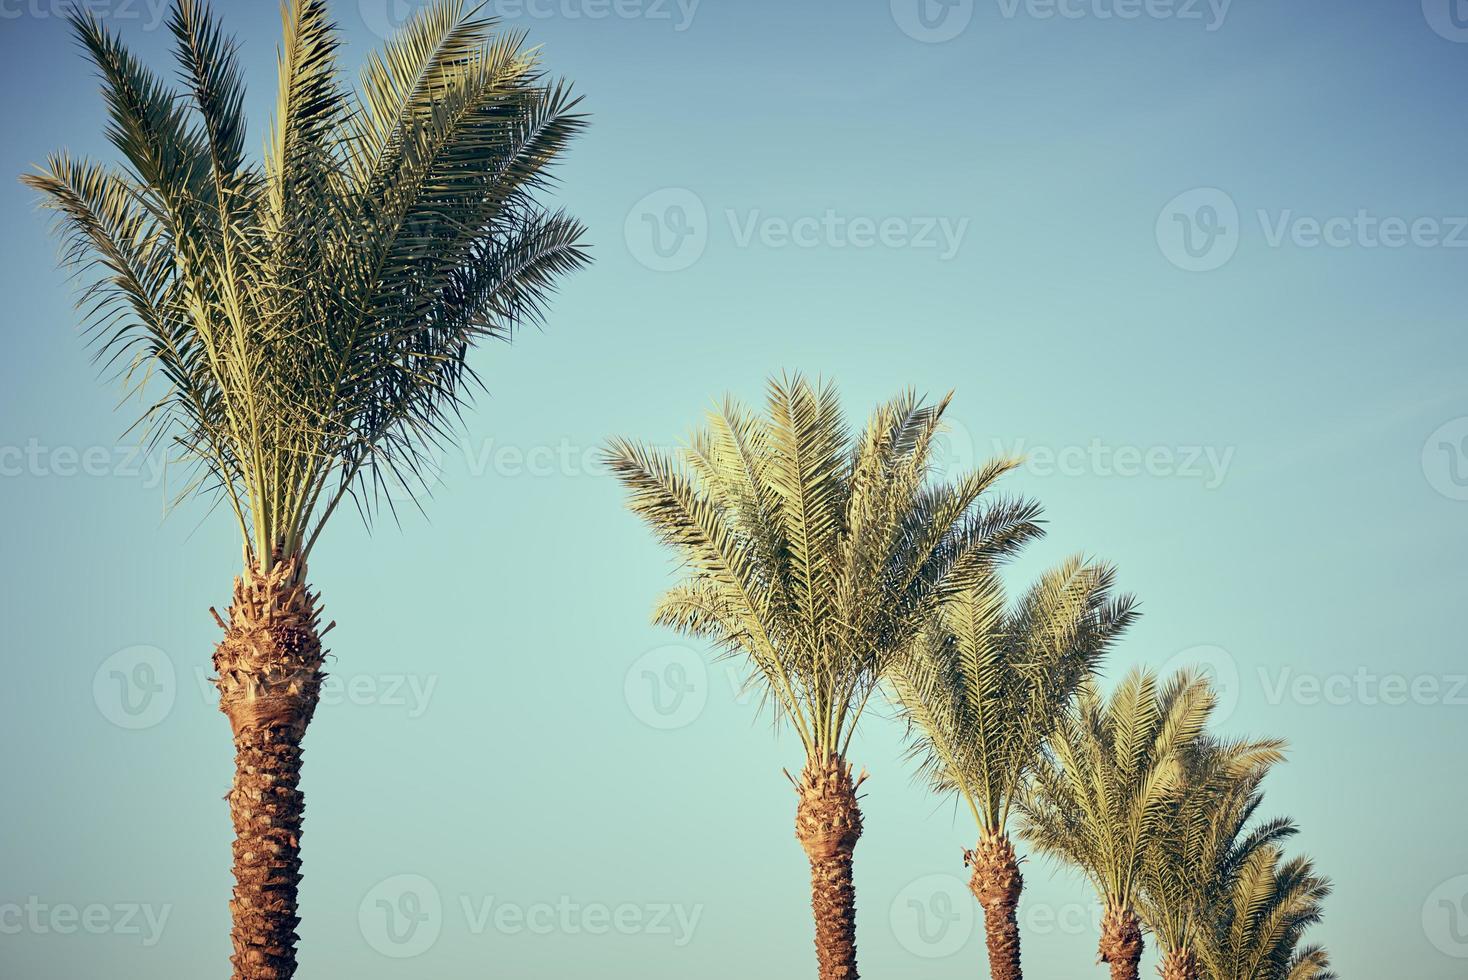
x=982, y=689
x=1256, y=930
x=308, y=317
x=816, y=559
x=1100, y=797
x=1205, y=838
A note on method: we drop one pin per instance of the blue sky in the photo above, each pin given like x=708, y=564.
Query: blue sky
x=1204, y=264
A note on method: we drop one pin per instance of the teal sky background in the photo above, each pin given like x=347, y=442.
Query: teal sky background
x=1267, y=432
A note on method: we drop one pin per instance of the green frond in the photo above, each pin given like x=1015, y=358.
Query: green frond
x=810, y=551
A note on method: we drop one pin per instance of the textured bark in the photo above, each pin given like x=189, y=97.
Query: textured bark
x=1121, y=943
x=827, y=824
x=996, y=883
x=269, y=677
x=1179, y=964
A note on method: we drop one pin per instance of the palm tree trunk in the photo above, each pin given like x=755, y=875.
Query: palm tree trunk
x=827, y=824
x=1121, y=943
x=269, y=679
x=1179, y=964
x=996, y=883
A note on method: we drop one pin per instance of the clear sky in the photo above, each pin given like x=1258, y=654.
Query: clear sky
x=1204, y=263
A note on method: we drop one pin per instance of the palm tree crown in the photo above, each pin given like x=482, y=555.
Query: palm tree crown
x=308, y=315
x=1206, y=837
x=1259, y=924
x=1113, y=766
x=985, y=685
x=815, y=556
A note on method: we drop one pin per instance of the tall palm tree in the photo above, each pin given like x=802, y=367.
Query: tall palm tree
x=982, y=689
x=1257, y=928
x=1204, y=840
x=816, y=558
x=1101, y=795
x=307, y=317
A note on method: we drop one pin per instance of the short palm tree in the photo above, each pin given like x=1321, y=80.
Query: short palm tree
x=1205, y=838
x=816, y=557
x=1101, y=796
x=1257, y=928
x=982, y=689
x=306, y=319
